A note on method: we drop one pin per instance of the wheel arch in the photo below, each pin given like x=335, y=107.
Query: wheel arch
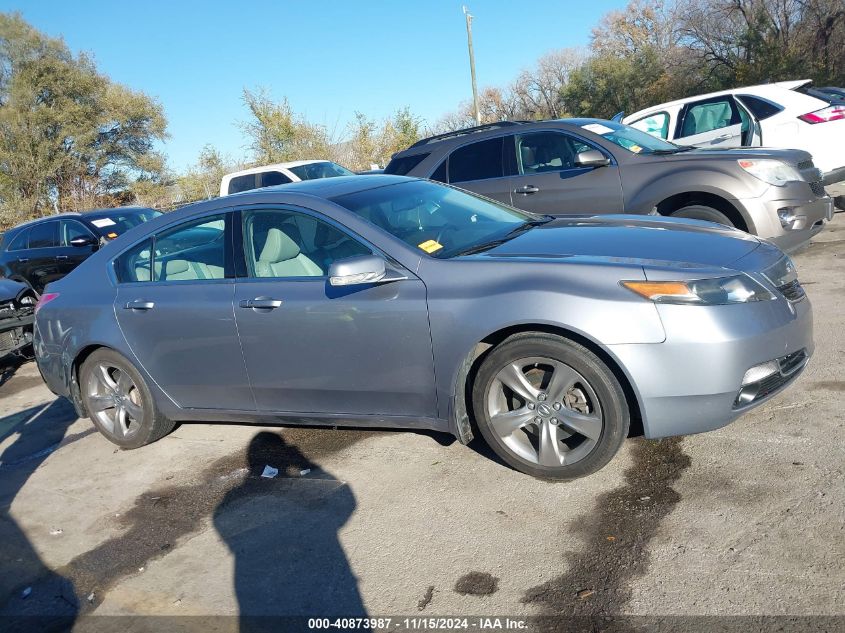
x=461, y=414
x=73, y=375
x=679, y=200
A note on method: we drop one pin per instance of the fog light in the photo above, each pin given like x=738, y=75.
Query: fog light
x=787, y=217
x=758, y=372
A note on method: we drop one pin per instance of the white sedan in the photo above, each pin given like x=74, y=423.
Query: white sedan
x=788, y=114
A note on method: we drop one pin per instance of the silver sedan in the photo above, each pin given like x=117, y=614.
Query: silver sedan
x=384, y=301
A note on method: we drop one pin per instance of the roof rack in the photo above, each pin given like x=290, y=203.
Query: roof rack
x=469, y=130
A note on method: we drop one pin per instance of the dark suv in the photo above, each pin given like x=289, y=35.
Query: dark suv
x=590, y=166
x=47, y=249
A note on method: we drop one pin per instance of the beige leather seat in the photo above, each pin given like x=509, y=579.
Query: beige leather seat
x=281, y=257
x=181, y=270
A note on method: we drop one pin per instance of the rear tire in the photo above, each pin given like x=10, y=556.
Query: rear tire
x=703, y=212
x=549, y=407
x=119, y=402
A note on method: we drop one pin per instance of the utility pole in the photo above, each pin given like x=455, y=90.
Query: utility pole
x=472, y=65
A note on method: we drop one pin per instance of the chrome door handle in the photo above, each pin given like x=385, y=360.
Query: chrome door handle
x=61, y=258
x=526, y=189
x=139, y=304
x=23, y=260
x=261, y=303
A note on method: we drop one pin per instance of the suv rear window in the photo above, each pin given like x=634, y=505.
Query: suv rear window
x=760, y=108
x=401, y=166
x=477, y=161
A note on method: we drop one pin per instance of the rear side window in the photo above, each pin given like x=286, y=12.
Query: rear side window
x=401, y=166
x=135, y=264
x=20, y=241
x=440, y=173
x=477, y=161
x=760, y=108
x=44, y=235
x=272, y=178
x=242, y=183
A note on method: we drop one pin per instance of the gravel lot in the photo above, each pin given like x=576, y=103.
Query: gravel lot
x=747, y=520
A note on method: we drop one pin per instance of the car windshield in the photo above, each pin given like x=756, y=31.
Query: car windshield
x=436, y=219
x=116, y=222
x=630, y=138
x=312, y=171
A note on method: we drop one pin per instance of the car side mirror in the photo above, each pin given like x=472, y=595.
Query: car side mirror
x=84, y=240
x=591, y=158
x=363, y=269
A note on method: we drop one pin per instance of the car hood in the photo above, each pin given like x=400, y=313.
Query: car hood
x=791, y=156
x=672, y=242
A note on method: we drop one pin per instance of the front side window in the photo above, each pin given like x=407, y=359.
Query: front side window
x=44, y=235
x=477, y=161
x=656, y=124
x=435, y=219
x=281, y=244
x=325, y=169
x=759, y=107
x=547, y=151
x=71, y=229
x=190, y=252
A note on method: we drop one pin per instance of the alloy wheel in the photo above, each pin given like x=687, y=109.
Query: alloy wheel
x=114, y=400
x=544, y=411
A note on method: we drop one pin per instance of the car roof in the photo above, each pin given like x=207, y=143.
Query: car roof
x=76, y=214
x=489, y=129
x=287, y=165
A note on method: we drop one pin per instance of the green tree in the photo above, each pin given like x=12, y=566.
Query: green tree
x=70, y=138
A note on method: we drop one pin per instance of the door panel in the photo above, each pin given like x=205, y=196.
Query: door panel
x=550, y=181
x=187, y=341
x=479, y=167
x=362, y=350
x=714, y=122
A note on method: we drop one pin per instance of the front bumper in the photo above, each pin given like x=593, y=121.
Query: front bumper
x=806, y=218
x=691, y=382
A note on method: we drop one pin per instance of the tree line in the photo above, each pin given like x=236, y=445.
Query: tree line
x=71, y=138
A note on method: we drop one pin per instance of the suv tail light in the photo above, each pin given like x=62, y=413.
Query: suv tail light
x=44, y=299
x=831, y=113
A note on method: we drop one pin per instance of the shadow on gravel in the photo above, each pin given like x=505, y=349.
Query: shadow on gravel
x=286, y=525
x=27, y=586
x=283, y=534
x=615, y=538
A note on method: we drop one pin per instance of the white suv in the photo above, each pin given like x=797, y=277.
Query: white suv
x=788, y=114
x=280, y=174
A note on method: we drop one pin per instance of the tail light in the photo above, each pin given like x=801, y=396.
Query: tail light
x=44, y=299
x=831, y=113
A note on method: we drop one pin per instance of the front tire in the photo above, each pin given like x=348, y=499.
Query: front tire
x=549, y=407
x=703, y=212
x=119, y=402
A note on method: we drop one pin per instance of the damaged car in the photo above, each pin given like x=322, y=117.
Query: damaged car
x=17, y=311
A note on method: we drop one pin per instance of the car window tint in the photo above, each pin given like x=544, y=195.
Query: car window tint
x=477, y=161
x=242, y=183
x=760, y=108
x=546, y=151
x=705, y=117
x=191, y=252
x=286, y=244
x=135, y=264
x=401, y=166
x=20, y=241
x=44, y=235
x=655, y=124
x=71, y=229
x=324, y=169
x=440, y=173
x=273, y=178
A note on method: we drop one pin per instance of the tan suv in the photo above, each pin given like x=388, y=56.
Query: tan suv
x=592, y=166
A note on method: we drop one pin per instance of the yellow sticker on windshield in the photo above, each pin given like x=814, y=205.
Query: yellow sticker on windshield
x=636, y=149
x=430, y=246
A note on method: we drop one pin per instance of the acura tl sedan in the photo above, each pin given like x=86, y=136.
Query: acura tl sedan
x=386, y=301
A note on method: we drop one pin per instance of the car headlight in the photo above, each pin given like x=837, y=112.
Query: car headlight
x=774, y=172
x=719, y=291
